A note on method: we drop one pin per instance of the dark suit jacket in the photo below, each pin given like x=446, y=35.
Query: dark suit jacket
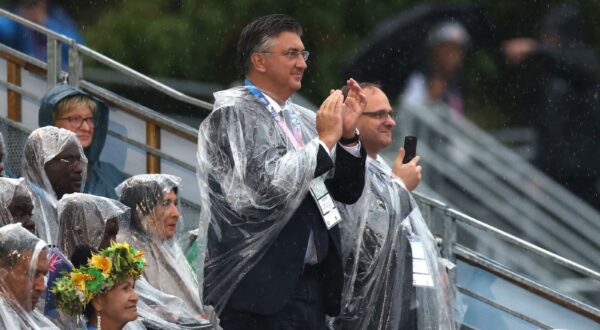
x=269, y=285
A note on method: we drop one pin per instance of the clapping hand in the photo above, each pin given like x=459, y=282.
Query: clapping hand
x=353, y=107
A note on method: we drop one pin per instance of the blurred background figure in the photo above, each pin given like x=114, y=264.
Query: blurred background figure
x=568, y=108
x=418, y=53
x=15, y=196
x=42, y=12
x=438, y=78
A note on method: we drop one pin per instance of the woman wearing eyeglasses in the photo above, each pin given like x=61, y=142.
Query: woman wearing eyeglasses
x=70, y=108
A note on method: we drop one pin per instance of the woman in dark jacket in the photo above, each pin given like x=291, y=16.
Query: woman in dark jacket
x=68, y=107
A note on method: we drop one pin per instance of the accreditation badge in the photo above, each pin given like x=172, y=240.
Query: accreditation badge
x=421, y=273
x=329, y=212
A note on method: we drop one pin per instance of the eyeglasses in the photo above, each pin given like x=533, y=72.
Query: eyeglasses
x=380, y=115
x=77, y=121
x=70, y=161
x=292, y=54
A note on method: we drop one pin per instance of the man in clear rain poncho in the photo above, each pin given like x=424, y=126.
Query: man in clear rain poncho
x=70, y=108
x=23, y=265
x=53, y=165
x=15, y=197
x=395, y=277
x=168, y=285
x=268, y=170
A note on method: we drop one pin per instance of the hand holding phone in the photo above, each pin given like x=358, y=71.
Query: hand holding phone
x=410, y=147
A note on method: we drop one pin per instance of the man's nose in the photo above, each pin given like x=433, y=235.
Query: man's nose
x=78, y=168
x=390, y=121
x=301, y=63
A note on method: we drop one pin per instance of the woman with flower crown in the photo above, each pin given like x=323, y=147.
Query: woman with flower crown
x=103, y=289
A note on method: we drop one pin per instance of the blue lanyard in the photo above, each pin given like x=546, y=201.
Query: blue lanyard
x=296, y=133
x=261, y=97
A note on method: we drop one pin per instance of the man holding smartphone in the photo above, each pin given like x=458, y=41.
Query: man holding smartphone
x=376, y=125
x=394, y=275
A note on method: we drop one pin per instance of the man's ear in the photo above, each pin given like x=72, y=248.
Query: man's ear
x=258, y=62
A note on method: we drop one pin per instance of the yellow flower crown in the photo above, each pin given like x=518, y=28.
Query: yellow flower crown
x=116, y=263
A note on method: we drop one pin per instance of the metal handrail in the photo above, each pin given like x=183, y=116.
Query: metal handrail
x=36, y=27
x=143, y=78
x=165, y=122
x=24, y=57
x=470, y=221
x=108, y=61
x=507, y=310
x=488, y=265
x=507, y=161
x=450, y=215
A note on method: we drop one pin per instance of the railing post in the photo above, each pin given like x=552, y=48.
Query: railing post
x=152, y=140
x=54, y=61
x=449, y=242
x=75, y=65
x=13, y=76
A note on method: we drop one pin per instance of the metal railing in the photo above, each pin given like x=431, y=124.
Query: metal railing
x=473, y=172
x=155, y=122
x=449, y=221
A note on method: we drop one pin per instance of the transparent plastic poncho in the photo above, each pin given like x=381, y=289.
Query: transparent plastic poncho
x=5, y=216
x=378, y=289
x=3, y=155
x=17, y=310
x=168, y=286
x=84, y=220
x=43, y=145
x=252, y=179
x=12, y=190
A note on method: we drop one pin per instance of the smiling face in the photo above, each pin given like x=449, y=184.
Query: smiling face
x=164, y=217
x=277, y=71
x=377, y=122
x=118, y=305
x=65, y=171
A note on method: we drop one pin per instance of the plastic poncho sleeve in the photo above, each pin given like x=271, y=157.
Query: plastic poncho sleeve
x=252, y=180
x=379, y=292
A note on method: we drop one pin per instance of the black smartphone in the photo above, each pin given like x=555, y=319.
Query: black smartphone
x=410, y=146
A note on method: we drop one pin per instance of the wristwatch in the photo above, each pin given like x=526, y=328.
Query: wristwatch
x=351, y=140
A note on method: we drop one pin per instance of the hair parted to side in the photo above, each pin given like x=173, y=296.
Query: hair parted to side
x=364, y=85
x=258, y=36
x=65, y=105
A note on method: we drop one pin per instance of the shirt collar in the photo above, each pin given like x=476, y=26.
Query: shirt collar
x=276, y=105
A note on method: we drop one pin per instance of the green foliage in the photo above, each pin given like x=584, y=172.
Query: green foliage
x=195, y=39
